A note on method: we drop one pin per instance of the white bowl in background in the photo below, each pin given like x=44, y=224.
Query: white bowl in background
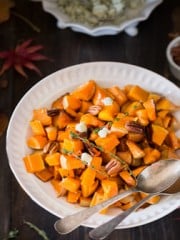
x=174, y=68
x=129, y=25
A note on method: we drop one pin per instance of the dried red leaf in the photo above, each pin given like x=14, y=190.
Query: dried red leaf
x=22, y=57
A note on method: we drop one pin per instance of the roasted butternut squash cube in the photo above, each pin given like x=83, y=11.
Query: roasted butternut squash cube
x=71, y=184
x=85, y=91
x=42, y=116
x=159, y=134
x=34, y=162
x=108, y=143
x=138, y=94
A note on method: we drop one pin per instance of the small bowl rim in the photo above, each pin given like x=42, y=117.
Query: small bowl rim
x=172, y=44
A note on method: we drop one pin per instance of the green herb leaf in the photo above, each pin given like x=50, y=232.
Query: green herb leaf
x=39, y=231
x=13, y=234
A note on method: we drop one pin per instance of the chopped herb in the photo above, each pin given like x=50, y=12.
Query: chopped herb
x=12, y=234
x=39, y=231
x=65, y=151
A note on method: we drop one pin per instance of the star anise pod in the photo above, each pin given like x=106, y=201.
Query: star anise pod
x=22, y=57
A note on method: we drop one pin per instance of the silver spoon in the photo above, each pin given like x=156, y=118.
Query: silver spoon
x=154, y=179
x=102, y=231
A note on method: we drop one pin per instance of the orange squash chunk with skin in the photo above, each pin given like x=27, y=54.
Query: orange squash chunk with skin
x=34, y=163
x=70, y=101
x=110, y=188
x=137, y=93
x=125, y=175
x=37, y=127
x=53, y=159
x=98, y=197
x=62, y=120
x=66, y=173
x=135, y=150
x=108, y=143
x=41, y=115
x=91, y=120
x=109, y=112
x=159, y=134
x=72, y=145
x=86, y=91
x=164, y=104
x=73, y=197
x=88, y=190
x=37, y=142
x=99, y=95
x=88, y=176
x=119, y=95
x=70, y=162
x=60, y=190
x=71, y=184
x=151, y=155
x=51, y=132
x=45, y=174
x=151, y=109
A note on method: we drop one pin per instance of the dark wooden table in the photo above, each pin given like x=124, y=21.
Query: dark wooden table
x=67, y=48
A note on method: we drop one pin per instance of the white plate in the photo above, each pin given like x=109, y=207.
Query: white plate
x=128, y=25
x=47, y=90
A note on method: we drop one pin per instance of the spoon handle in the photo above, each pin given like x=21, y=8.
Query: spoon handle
x=105, y=229
x=69, y=223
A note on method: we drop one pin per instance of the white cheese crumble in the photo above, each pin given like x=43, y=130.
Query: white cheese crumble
x=81, y=127
x=107, y=101
x=103, y=132
x=86, y=157
x=63, y=162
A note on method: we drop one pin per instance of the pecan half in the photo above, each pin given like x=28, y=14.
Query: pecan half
x=92, y=150
x=94, y=109
x=134, y=127
x=53, y=112
x=113, y=167
x=51, y=147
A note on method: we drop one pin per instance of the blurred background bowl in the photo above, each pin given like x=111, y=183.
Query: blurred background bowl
x=173, y=65
x=128, y=24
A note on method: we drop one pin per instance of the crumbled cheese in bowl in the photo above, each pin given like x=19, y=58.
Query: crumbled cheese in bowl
x=97, y=12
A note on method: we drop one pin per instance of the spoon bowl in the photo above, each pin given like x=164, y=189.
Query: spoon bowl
x=154, y=179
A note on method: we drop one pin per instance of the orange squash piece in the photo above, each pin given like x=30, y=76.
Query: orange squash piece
x=70, y=162
x=159, y=134
x=151, y=155
x=37, y=128
x=37, y=142
x=138, y=94
x=91, y=120
x=73, y=197
x=150, y=107
x=72, y=145
x=86, y=91
x=66, y=173
x=110, y=188
x=125, y=175
x=59, y=189
x=88, y=176
x=62, y=120
x=34, y=163
x=119, y=95
x=108, y=143
x=53, y=159
x=70, y=101
x=109, y=112
x=71, y=184
x=45, y=174
x=99, y=95
x=51, y=132
x=41, y=115
x=88, y=190
x=135, y=150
